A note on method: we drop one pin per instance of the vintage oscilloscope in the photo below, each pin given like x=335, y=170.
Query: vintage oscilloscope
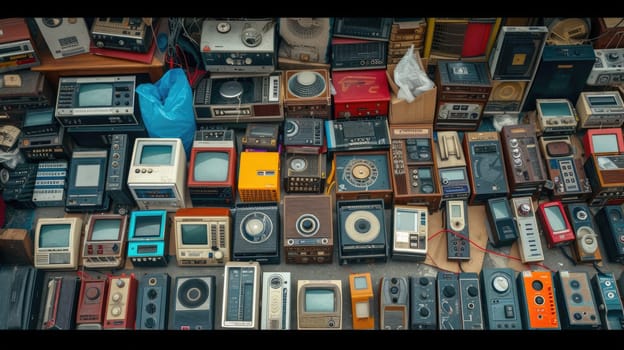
x=586, y=248
x=538, y=300
x=516, y=53
x=241, y=295
x=256, y=235
x=361, y=290
x=202, y=236
x=275, y=308
x=239, y=46
x=17, y=46
x=503, y=229
x=105, y=241
x=148, y=238
x=486, y=173
x=307, y=93
x=501, y=309
x=239, y=99
x=608, y=69
x=600, y=109
x=363, y=175
x=319, y=304
x=351, y=134
x=87, y=181
x=361, y=93
x=91, y=303
x=261, y=137
x=304, y=173
x=61, y=302
x=564, y=164
x=121, y=302
x=609, y=300
x=423, y=303
x=555, y=116
x=606, y=176
x=57, y=243
x=157, y=174
x=153, y=301
x=394, y=308
x=451, y=166
x=607, y=140
x=362, y=234
x=410, y=232
x=578, y=308
x=463, y=90
x=64, y=36
x=529, y=241
x=610, y=222
x=523, y=160
x=122, y=33
x=117, y=173
x=358, y=54
x=414, y=170
x=308, y=228
x=555, y=225
x=212, y=168
x=195, y=306
x=259, y=177
x=21, y=288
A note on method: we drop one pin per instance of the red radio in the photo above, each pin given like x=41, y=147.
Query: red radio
x=91, y=302
x=361, y=93
x=607, y=140
x=555, y=225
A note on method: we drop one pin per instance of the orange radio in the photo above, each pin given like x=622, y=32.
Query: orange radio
x=362, y=300
x=538, y=301
x=259, y=177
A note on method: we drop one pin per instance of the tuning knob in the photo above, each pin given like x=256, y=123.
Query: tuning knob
x=524, y=209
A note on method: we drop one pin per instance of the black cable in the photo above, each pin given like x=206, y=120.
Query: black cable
x=567, y=255
x=600, y=272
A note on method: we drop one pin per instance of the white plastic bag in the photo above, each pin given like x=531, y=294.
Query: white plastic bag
x=410, y=78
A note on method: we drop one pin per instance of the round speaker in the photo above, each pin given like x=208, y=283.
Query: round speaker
x=193, y=293
x=306, y=84
x=507, y=90
x=362, y=226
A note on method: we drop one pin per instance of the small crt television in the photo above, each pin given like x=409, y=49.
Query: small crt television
x=157, y=175
x=319, y=304
x=105, y=241
x=148, y=238
x=607, y=140
x=202, y=236
x=212, y=176
x=57, y=243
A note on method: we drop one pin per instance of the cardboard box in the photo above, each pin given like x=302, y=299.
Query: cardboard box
x=421, y=110
x=16, y=247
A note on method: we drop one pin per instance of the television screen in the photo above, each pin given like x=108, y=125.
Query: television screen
x=555, y=218
x=406, y=221
x=87, y=175
x=319, y=300
x=54, y=235
x=156, y=155
x=359, y=282
x=38, y=117
x=106, y=229
x=194, y=234
x=555, y=109
x=211, y=166
x=95, y=95
x=605, y=143
x=147, y=226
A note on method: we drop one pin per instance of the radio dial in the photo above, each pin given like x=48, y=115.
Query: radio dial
x=500, y=284
x=524, y=209
x=120, y=283
x=448, y=291
x=116, y=297
x=121, y=42
x=581, y=215
x=424, y=312
x=116, y=311
x=513, y=143
x=218, y=255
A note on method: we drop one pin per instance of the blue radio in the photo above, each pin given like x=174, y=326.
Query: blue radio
x=147, y=238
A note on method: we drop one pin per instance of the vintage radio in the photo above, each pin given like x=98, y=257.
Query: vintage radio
x=585, y=249
x=153, y=301
x=506, y=96
x=117, y=173
x=457, y=38
x=121, y=302
x=45, y=147
x=449, y=307
x=194, y=305
x=363, y=175
x=319, y=304
x=18, y=189
x=305, y=39
x=457, y=230
x=308, y=228
x=538, y=300
x=105, y=241
x=607, y=140
x=91, y=303
x=451, y=166
x=239, y=46
x=529, y=241
x=256, y=234
x=259, y=177
x=610, y=222
x=148, y=238
x=362, y=236
x=608, y=31
x=123, y=33
x=241, y=295
x=501, y=309
x=357, y=134
x=305, y=173
x=463, y=90
x=609, y=301
x=60, y=303
x=577, y=306
x=16, y=247
x=97, y=101
x=503, y=229
x=555, y=116
x=372, y=28
x=51, y=184
x=523, y=160
x=565, y=168
x=608, y=68
x=361, y=93
x=410, y=232
x=307, y=93
x=33, y=92
x=555, y=225
x=606, y=176
x=17, y=46
x=486, y=173
x=261, y=137
x=21, y=288
x=87, y=181
x=202, y=236
x=414, y=169
x=516, y=53
x=64, y=36
x=423, y=302
x=600, y=109
x=361, y=290
x=358, y=54
x=394, y=306
x=57, y=243
x=239, y=99
x=157, y=173
x=276, y=296
x=304, y=135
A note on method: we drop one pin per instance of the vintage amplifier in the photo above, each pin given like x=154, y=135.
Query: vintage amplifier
x=606, y=176
x=363, y=175
x=608, y=69
x=358, y=54
x=523, y=160
x=308, y=229
x=600, y=109
x=307, y=93
x=463, y=90
x=415, y=173
x=239, y=46
x=608, y=31
x=33, y=91
x=123, y=33
x=361, y=93
x=486, y=172
x=56, y=145
x=555, y=116
x=564, y=164
x=18, y=50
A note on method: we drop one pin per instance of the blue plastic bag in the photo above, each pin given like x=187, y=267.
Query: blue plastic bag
x=167, y=108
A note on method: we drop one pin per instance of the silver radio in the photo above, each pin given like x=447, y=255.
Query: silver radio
x=600, y=109
x=608, y=68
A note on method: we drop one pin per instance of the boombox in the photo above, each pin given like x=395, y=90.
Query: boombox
x=18, y=50
x=576, y=301
x=564, y=164
x=516, y=53
x=239, y=46
x=308, y=229
x=486, y=173
x=362, y=231
x=523, y=160
x=307, y=93
x=586, y=247
x=256, y=235
x=363, y=175
x=361, y=93
x=538, y=300
x=609, y=67
x=64, y=36
x=600, y=109
x=60, y=303
x=606, y=176
x=305, y=173
x=358, y=54
x=123, y=33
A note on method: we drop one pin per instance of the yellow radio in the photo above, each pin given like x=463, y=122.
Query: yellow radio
x=362, y=300
x=259, y=177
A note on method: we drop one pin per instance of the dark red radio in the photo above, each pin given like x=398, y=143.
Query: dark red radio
x=361, y=93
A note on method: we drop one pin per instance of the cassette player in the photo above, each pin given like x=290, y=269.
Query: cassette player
x=606, y=176
x=239, y=46
x=307, y=93
x=608, y=68
x=361, y=93
x=123, y=33
x=600, y=109
x=17, y=48
x=564, y=164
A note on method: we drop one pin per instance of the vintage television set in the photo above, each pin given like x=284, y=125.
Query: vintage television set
x=57, y=243
x=105, y=241
x=607, y=140
x=212, y=174
x=158, y=174
x=202, y=236
x=319, y=304
x=148, y=238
